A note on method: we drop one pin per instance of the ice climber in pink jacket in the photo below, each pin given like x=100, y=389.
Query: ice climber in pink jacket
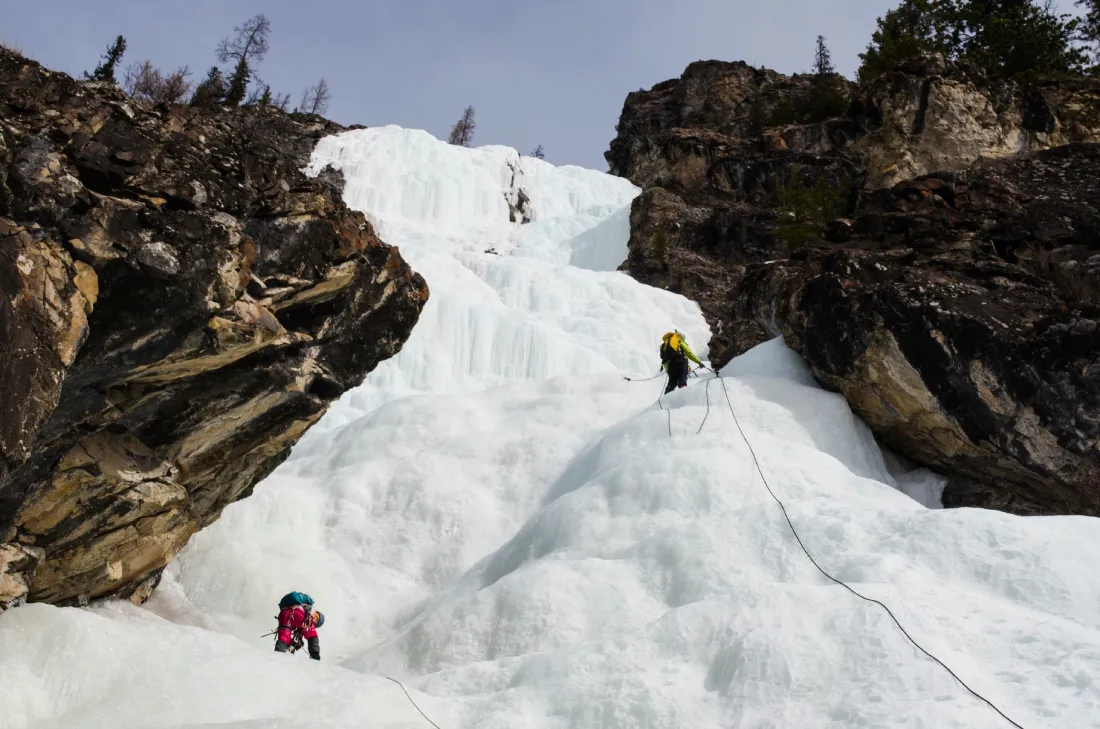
x=298, y=622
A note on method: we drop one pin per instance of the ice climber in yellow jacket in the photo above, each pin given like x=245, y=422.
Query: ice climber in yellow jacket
x=675, y=354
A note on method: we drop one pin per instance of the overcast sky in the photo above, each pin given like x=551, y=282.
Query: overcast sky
x=550, y=72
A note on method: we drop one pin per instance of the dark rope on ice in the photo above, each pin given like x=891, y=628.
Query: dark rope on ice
x=634, y=379
x=410, y=698
x=843, y=584
x=707, y=415
x=659, y=397
x=660, y=402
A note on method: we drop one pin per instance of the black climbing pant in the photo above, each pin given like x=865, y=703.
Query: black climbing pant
x=677, y=373
x=314, y=645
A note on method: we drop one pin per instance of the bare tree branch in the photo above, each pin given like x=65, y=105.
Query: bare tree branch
x=316, y=98
x=249, y=46
x=145, y=83
x=257, y=93
x=250, y=43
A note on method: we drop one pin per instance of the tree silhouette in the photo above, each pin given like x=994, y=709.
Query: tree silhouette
x=246, y=48
x=1018, y=39
x=462, y=133
x=1090, y=29
x=212, y=90
x=146, y=83
x=823, y=61
x=827, y=97
x=105, y=71
x=315, y=98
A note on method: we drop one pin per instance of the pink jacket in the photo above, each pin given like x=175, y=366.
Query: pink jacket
x=291, y=619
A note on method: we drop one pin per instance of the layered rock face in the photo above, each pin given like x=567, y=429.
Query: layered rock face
x=180, y=303
x=934, y=254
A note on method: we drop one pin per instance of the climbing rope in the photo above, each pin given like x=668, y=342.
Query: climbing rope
x=660, y=398
x=633, y=379
x=843, y=584
x=407, y=696
x=760, y=470
x=660, y=401
x=410, y=698
x=707, y=415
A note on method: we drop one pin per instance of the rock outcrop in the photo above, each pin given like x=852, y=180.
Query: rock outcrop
x=180, y=303
x=934, y=254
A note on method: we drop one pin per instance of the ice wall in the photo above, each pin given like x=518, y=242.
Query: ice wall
x=409, y=480
x=501, y=520
x=544, y=302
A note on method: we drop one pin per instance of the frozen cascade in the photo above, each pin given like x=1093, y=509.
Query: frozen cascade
x=497, y=518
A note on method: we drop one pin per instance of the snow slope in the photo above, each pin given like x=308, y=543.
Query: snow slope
x=500, y=520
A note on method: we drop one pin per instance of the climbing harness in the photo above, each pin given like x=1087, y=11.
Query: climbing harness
x=843, y=584
x=296, y=638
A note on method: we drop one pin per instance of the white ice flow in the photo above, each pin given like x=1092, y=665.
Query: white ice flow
x=501, y=521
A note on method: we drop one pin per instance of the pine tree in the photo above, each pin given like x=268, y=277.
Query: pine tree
x=1018, y=39
x=828, y=97
x=538, y=153
x=462, y=133
x=249, y=46
x=212, y=90
x=238, y=83
x=105, y=71
x=823, y=61
x=265, y=98
x=1090, y=29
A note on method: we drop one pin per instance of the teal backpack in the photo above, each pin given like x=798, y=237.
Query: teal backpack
x=295, y=598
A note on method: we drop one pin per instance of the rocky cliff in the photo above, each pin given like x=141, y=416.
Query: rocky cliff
x=934, y=254
x=180, y=303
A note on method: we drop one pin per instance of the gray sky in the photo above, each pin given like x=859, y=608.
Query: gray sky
x=550, y=72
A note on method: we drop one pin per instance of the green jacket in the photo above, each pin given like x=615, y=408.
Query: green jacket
x=686, y=350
